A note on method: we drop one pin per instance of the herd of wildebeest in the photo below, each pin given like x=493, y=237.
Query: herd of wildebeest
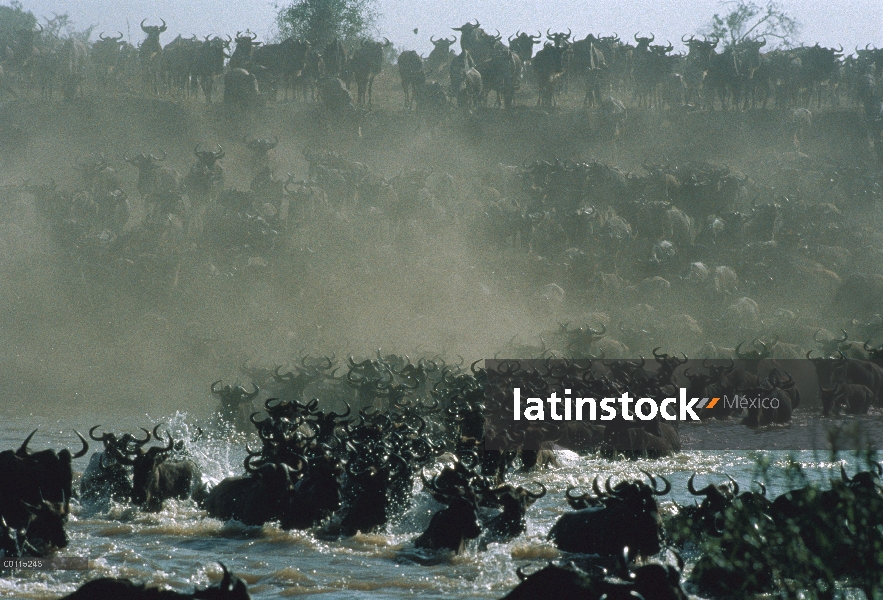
x=345, y=473
x=605, y=70
x=633, y=245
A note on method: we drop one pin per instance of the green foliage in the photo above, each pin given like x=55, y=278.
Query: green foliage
x=321, y=21
x=747, y=20
x=14, y=17
x=61, y=26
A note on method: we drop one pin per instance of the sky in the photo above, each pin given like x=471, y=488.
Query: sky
x=847, y=22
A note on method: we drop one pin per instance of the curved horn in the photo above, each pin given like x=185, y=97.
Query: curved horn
x=85, y=449
x=140, y=443
x=735, y=485
x=23, y=450
x=843, y=475
x=92, y=434
x=691, y=488
x=142, y=26
x=570, y=498
x=762, y=488
x=538, y=495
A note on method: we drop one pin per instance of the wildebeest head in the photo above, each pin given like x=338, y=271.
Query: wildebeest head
x=522, y=44
x=144, y=162
x=717, y=497
x=442, y=45
x=45, y=528
x=208, y=158
x=229, y=588
x=50, y=472
x=559, y=39
x=151, y=45
x=143, y=464
x=644, y=42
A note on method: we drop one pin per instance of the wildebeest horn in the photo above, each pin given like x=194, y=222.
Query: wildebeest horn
x=636, y=37
x=735, y=485
x=692, y=37
x=387, y=44
x=142, y=26
x=569, y=489
x=23, y=450
x=691, y=488
x=607, y=485
x=432, y=39
x=253, y=35
x=844, y=338
x=85, y=445
x=156, y=436
x=226, y=583
x=92, y=434
x=762, y=488
x=538, y=495
x=144, y=441
x=548, y=34
x=596, y=488
x=843, y=475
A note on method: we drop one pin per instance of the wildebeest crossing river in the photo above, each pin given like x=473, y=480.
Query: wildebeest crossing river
x=179, y=547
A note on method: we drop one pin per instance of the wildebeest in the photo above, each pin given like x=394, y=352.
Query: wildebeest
x=241, y=88
x=107, y=58
x=150, y=56
x=629, y=518
x=466, y=84
x=854, y=398
x=155, y=478
x=254, y=499
x=32, y=477
x=206, y=176
x=105, y=476
x=229, y=588
x=160, y=187
x=245, y=47
x=548, y=67
x=411, y=74
x=208, y=63
x=366, y=63
x=451, y=527
x=514, y=502
x=441, y=54
x=333, y=94
x=522, y=44
x=501, y=73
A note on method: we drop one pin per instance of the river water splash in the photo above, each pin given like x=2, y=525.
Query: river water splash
x=180, y=547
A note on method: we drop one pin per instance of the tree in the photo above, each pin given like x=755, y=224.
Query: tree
x=747, y=20
x=14, y=18
x=321, y=21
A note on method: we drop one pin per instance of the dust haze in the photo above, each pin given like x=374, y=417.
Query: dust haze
x=132, y=328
